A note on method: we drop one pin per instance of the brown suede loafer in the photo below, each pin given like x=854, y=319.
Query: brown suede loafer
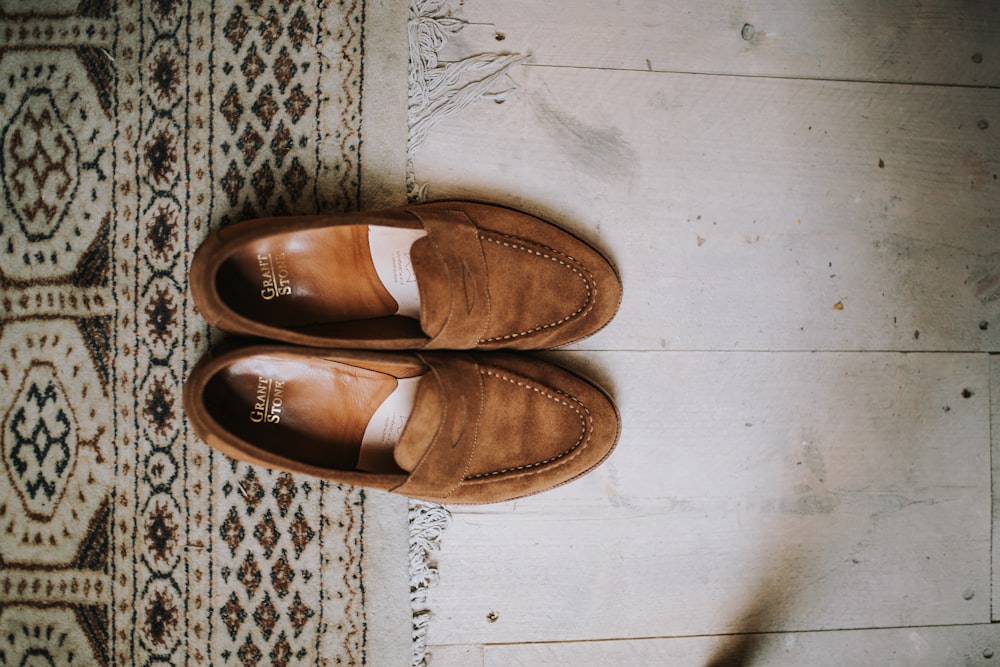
x=445, y=275
x=450, y=427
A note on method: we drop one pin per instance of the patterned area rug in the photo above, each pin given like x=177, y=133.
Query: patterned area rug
x=128, y=130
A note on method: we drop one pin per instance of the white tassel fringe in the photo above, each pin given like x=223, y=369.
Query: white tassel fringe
x=436, y=91
x=428, y=521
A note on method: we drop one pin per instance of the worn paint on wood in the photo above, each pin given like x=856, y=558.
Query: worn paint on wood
x=771, y=178
x=750, y=492
x=741, y=212
x=892, y=40
x=972, y=646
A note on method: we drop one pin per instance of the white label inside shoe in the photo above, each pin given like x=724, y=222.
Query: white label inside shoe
x=390, y=248
x=385, y=427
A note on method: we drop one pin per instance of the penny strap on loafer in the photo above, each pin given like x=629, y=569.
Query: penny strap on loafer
x=486, y=428
x=440, y=440
x=451, y=273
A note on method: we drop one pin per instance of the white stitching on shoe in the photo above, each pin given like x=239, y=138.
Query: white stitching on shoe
x=588, y=302
x=582, y=412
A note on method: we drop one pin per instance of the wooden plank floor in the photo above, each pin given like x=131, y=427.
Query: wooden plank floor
x=803, y=201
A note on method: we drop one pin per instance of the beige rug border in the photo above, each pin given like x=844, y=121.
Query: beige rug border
x=384, y=128
x=388, y=615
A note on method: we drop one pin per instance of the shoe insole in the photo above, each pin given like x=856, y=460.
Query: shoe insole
x=323, y=276
x=313, y=411
x=385, y=427
x=390, y=252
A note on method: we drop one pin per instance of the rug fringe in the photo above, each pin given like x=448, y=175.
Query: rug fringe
x=428, y=521
x=436, y=91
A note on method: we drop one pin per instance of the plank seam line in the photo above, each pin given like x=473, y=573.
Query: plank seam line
x=774, y=77
x=487, y=645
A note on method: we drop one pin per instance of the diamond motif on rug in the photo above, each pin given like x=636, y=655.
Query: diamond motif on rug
x=40, y=442
x=128, y=131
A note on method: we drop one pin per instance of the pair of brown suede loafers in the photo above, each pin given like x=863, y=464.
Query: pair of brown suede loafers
x=386, y=372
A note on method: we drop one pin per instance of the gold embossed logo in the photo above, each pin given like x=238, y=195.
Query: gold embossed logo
x=274, y=276
x=268, y=401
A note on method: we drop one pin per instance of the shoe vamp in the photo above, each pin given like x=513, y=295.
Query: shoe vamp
x=531, y=289
x=524, y=426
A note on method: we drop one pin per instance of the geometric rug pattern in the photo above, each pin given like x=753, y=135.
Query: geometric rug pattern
x=128, y=131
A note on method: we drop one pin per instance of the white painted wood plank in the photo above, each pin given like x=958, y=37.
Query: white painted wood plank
x=456, y=656
x=754, y=213
x=750, y=492
x=893, y=40
x=972, y=645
